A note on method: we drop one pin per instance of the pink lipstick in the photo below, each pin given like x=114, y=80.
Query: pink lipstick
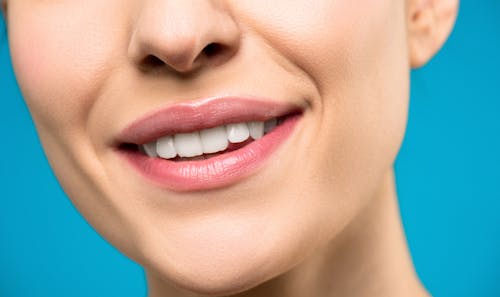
x=183, y=147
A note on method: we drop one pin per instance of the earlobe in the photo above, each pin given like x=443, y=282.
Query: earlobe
x=429, y=25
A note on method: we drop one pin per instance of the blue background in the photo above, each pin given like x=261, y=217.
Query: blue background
x=448, y=183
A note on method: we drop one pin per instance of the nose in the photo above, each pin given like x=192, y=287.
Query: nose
x=183, y=35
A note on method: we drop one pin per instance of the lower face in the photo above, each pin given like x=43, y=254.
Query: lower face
x=343, y=67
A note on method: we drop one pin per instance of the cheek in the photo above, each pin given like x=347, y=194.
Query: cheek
x=325, y=38
x=60, y=59
x=364, y=90
x=356, y=54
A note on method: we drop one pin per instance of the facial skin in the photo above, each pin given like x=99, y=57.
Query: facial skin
x=81, y=67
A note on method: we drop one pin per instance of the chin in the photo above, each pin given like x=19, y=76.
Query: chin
x=216, y=276
x=217, y=283
x=215, y=260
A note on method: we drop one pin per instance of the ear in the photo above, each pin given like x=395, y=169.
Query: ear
x=429, y=25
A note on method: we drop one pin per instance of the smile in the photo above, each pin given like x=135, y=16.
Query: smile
x=206, y=144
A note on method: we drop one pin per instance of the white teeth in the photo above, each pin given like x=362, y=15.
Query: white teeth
x=270, y=124
x=165, y=147
x=188, y=144
x=256, y=129
x=214, y=140
x=237, y=133
x=150, y=149
x=206, y=141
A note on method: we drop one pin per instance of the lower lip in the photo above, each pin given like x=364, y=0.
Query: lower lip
x=216, y=172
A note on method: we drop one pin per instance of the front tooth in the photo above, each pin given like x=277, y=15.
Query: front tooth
x=269, y=125
x=188, y=144
x=237, y=132
x=165, y=147
x=214, y=139
x=150, y=149
x=256, y=129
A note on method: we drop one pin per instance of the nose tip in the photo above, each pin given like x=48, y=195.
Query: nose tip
x=183, y=36
x=181, y=54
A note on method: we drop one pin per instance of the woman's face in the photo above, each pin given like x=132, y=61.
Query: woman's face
x=102, y=78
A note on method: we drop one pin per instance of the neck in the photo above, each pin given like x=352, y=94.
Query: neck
x=369, y=258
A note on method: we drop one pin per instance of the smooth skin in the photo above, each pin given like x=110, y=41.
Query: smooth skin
x=320, y=219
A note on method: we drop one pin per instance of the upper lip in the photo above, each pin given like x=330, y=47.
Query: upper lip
x=201, y=114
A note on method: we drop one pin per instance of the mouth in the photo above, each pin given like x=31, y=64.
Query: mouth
x=207, y=144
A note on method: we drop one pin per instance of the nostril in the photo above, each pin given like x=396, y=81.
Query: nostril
x=213, y=49
x=151, y=62
x=216, y=54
